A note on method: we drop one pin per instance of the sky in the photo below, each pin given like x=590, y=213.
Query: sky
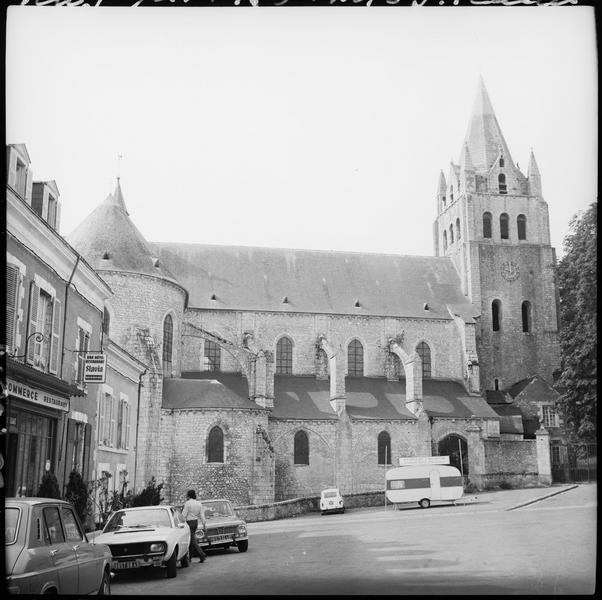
x=308, y=127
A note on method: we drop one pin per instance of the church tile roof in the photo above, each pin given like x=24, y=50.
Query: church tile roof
x=315, y=281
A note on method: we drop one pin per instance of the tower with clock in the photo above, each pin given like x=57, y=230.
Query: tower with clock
x=492, y=221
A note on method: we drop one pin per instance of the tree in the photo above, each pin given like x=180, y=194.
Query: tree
x=77, y=494
x=49, y=486
x=577, y=286
x=150, y=495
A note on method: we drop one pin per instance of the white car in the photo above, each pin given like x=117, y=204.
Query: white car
x=147, y=536
x=331, y=501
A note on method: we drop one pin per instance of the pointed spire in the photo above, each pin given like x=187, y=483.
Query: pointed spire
x=116, y=198
x=533, y=169
x=465, y=159
x=442, y=183
x=484, y=136
x=533, y=176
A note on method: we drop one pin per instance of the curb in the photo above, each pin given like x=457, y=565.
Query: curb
x=572, y=487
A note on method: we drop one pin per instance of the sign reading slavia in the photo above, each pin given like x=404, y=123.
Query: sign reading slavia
x=25, y=392
x=95, y=367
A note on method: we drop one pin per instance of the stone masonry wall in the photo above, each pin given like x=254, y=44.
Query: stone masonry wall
x=293, y=481
x=303, y=330
x=184, y=463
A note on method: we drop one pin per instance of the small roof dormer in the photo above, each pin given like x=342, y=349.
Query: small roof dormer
x=19, y=172
x=45, y=202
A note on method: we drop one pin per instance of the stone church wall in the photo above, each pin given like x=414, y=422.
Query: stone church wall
x=510, y=462
x=407, y=439
x=294, y=481
x=303, y=330
x=184, y=463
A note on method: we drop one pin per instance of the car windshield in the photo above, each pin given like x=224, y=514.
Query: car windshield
x=11, y=519
x=217, y=508
x=330, y=494
x=138, y=519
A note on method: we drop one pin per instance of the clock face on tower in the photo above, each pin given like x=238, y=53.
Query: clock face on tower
x=510, y=271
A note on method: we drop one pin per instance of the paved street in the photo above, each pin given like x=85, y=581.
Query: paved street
x=486, y=544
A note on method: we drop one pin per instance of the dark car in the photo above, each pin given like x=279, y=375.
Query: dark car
x=48, y=552
x=223, y=527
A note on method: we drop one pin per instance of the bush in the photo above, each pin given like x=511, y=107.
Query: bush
x=150, y=495
x=49, y=487
x=77, y=494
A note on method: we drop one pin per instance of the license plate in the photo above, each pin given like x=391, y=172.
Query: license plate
x=124, y=564
x=220, y=538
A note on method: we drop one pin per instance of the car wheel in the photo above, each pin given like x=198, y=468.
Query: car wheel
x=243, y=545
x=424, y=503
x=185, y=559
x=105, y=584
x=171, y=564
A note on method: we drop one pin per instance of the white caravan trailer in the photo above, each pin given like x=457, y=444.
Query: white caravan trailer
x=423, y=483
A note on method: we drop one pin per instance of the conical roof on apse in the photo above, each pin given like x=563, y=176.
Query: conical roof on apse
x=109, y=240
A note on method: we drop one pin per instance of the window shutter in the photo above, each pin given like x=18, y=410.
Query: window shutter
x=12, y=289
x=101, y=419
x=55, y=343
x=127, y=426
x=71, y=433
x=112, y=422
x=34, y=297
x=86, y=457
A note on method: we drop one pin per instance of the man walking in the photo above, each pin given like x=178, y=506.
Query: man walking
x=193, y=513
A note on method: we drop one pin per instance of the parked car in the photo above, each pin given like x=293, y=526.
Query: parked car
x=223, y=527
x=147, y=536
x=331, y=501
x=48, y=552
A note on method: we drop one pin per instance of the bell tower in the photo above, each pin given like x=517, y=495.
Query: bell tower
x=492, y=222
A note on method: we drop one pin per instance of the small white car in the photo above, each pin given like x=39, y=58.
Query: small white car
x=147, y=536
x=331, y=501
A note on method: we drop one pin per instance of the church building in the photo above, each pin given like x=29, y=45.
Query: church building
x=275, y=373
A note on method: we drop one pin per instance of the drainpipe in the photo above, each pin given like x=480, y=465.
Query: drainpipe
x=138, y=424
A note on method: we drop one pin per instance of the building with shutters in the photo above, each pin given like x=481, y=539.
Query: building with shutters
x=55, y=309
x=274, y=373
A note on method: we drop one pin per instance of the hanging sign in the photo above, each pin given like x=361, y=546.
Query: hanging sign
x=423, y=460
x=95, y=367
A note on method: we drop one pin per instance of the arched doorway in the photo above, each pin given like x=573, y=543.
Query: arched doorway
x=456, y=448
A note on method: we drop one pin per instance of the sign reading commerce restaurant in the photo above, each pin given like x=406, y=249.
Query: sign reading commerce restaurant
x=423, y=460
x=25, y=392
x=95, y=367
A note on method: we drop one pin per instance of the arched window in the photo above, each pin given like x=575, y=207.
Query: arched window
x=444, y=240
x=496, y=315
x=215, y=445
x=424, y=352
x=526, y=314
x=301, y=450
x=355, y=359
x=213, y=356
x=384, y=448
x=443, y=199
x=106, y=321
x=451, y=195
x=501, y=162
x=504, y=230
x=521, y=226
x=284, y=356
x=451, y=234
x=487, y=225
x=501, y=182
x=167, y=345
x=496, y=384
x=458, y=234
